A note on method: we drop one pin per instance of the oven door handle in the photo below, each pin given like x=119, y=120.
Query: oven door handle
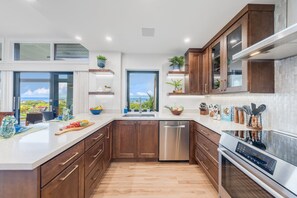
x=246, y=170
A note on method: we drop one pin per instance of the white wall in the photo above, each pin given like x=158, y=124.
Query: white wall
x=155, y=62
x=292, y=12
x=114, y=62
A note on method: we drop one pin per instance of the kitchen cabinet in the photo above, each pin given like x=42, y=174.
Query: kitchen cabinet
x=194, y=71
x=205, y=72
x=108, y=145
x=147, y=139
x=205, y=145
x=135, y=140
x=69, y=183
x=252, y=24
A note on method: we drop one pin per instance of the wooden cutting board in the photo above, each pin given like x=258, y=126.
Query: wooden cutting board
x=73, y=129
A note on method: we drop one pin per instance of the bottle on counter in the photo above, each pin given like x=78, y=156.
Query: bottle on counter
x=125, y=109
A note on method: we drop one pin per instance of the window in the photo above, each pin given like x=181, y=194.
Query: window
x=32, y=51
x=71, y=52
x=42, y=92
x=0, y=51
x=143, y=88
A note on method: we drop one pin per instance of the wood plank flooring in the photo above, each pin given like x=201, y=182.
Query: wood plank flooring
x=154, y=180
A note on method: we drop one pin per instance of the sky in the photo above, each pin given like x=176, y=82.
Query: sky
x=141, y=84
x=39, y=89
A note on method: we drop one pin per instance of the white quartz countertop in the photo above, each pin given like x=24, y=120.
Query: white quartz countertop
x=29, y=150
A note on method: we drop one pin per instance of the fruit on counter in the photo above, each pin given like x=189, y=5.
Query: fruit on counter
x=80, y=123
x=97, y=108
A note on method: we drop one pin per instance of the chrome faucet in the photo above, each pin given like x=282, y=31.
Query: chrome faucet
x=140, y=108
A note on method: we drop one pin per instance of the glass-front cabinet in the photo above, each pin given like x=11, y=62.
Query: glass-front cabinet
x=216, y=66
x=228, y=75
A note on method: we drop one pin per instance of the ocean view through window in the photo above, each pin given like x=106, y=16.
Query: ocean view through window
x=143, y=90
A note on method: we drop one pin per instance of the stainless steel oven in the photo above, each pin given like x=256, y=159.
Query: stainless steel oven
x=249, y=171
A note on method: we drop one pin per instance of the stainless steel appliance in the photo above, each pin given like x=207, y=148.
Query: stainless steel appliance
x=174, y=141
x=257, y=164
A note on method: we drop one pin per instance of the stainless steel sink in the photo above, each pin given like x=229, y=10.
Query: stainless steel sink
x=139, y=115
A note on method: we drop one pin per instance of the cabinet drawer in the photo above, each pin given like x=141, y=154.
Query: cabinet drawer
x=210, y=169
x=52, y=168
x=95, y=137
x=208, y=147
x=94, y=177
x=92, y=156
x=68, y=184
x=213, y=136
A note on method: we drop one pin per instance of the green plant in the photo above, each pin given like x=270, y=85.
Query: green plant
x=177, y=60
x=176, y=83
x=101, y=58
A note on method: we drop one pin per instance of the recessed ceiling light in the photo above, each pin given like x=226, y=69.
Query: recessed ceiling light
x=78, y=38
x=108, y=38
x=187, y=40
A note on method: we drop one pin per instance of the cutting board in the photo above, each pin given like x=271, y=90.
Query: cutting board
x=73, y=129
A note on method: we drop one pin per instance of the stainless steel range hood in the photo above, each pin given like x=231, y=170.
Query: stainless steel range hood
x=278, y=46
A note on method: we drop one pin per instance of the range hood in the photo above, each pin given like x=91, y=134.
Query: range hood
x=278, y=46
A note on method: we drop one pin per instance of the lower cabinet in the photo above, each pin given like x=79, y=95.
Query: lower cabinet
x=136, y=140
x=206, y=151
x=69, y=183
x=108, y=145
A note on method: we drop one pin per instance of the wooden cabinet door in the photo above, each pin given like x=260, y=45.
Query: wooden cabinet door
x=205, y=72
x=68, y=184
x=194, y=70
x=147, y=135
x=125, y=140
x=108, y=146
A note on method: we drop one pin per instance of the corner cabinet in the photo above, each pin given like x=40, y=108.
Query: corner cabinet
x=252, y=24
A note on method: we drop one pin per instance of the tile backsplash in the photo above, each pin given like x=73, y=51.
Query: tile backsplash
x=281, y=113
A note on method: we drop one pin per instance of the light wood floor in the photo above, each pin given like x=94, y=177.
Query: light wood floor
x=154, y=180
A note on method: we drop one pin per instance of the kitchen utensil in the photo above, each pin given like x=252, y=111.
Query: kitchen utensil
x=261, y=109
x=248, y=109
x=254, y=108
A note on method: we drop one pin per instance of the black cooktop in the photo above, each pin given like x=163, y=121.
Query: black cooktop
x=280, y=145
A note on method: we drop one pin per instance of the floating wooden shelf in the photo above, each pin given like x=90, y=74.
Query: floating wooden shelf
x=101, y=93
x=177, y=73
x=101, y=71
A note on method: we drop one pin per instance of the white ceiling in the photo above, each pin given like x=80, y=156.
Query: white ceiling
x=123, y=20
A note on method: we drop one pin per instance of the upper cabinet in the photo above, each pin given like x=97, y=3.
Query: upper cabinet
x=194, y=71
x=226, y=75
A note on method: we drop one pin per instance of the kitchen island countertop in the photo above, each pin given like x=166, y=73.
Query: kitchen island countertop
x=27, y=151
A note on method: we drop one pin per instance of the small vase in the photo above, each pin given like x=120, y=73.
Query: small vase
x=7, y=132
x=175, y=67
x=101, y=63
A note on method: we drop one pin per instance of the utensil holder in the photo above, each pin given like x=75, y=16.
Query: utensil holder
x=254, y=122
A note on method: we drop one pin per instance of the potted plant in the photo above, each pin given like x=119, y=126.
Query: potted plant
x=101, y=61
x=177, y=62
x=177, y=85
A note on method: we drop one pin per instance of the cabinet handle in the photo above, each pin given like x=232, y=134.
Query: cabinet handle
x=97, y=154
x=98, y=137
x=63, y=178
x=205, y=147
x=205, y=133
x=225, y=83
x=95, y=178
x=205, y=88
x=73, y=156
x=202, y=163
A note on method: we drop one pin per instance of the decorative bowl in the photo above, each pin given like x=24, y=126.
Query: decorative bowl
x=96, y=112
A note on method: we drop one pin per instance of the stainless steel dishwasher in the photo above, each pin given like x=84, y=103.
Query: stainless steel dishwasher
x=174, y=141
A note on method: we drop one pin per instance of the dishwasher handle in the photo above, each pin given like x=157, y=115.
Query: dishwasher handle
x=175, y=127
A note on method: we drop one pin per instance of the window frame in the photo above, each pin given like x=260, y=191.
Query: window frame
x=52, y=52
x=158, y=87
x=2, y=50
x=70, y=60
